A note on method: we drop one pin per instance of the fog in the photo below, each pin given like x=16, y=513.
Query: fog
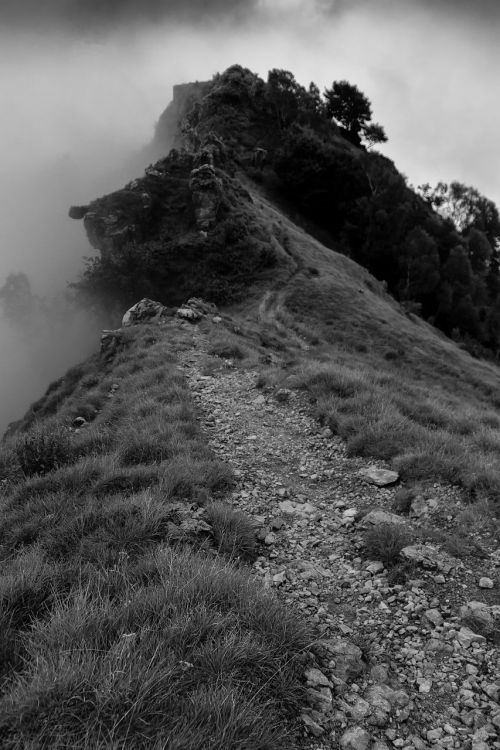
x=83, y=82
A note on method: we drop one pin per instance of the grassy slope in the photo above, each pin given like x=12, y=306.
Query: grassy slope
x=394, y=387
x=121, y=624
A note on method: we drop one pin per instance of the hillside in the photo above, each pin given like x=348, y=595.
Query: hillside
x=196, y=550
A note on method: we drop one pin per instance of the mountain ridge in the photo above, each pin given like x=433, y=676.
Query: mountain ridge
x=193, y=552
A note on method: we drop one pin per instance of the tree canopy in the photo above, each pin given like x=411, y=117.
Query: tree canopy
x=353, y=111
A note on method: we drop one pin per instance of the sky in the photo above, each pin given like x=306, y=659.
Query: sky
x=82, y=83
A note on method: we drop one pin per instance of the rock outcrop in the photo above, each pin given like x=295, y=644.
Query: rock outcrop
x=145, y=311
x=115, y=220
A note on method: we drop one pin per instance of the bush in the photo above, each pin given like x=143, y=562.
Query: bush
x=43, y=450
x=233, y=532
x=385, y=541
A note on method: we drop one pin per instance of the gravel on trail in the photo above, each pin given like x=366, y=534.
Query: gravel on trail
x=395, y=665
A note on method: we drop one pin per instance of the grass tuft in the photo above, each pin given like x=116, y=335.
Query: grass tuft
x=43, y=449
x=234, y=533
x=385, y=541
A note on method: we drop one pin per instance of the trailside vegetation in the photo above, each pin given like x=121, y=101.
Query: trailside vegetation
x=127, y=616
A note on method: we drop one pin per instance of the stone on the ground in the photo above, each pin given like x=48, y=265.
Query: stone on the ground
x=355, y=738
x=466, y=637
x=434, y=616
x=486, y=583
x=379, y=477
x=430, y=557
x=311, y=726
x=144, y=311
x=477, y=616
x=348, y=659
x=377, y=517
x=300, y=509
x=375, y=567
x=316, y=678
x=187, y=313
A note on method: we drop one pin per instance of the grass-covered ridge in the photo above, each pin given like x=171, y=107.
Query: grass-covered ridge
x=392, y=386
x=127, y=617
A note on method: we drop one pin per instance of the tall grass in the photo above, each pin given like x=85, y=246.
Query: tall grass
x=121, y=626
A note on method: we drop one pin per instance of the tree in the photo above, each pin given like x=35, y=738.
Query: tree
x=419, y=264
x=283, y=92
x=480, y=251
x=465, y=207
x=374, y=133
x=353, y=111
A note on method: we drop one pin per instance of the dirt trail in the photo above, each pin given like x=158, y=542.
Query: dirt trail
x=405, y=681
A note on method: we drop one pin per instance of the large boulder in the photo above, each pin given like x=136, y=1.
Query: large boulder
x=206, y=192
x=145, y=311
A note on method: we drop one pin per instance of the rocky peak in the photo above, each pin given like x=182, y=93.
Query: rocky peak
x=168, y=132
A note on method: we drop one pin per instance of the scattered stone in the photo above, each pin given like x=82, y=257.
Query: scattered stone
x=377, y=517
x=311, y=726
x=375, y=567
x=187, y=313
x=379, y=477
x=348, y=659
x=467, y=637
x=355, y=738
x=430, y=557
x=434, y=735
x=424, y=685
x=477, y=616
x=434, y=616
x=485, y=583
x=293, y=508
x=316, y=678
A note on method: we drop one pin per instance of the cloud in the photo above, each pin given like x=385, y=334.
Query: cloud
x=105, y=15
x=479, y=9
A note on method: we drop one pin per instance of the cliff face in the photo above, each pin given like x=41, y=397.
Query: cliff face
x=168, y=131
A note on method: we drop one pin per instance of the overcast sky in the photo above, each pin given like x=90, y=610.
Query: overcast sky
x=83, y=81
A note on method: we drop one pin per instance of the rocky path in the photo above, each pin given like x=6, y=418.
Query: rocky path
x=396, y=666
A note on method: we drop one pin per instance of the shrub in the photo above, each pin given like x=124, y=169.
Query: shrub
x=43, y=450
x=233, y=532
x=385, y=541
